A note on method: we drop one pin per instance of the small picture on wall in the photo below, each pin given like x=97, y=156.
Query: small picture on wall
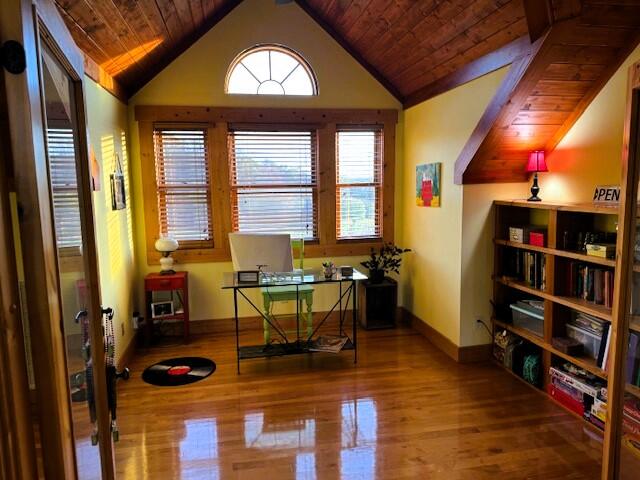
x=428, y=185
x=118, y=198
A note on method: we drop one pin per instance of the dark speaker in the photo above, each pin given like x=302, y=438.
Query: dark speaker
x=378, y=304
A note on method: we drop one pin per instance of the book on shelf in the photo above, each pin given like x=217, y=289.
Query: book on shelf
x=588, y=282
x=580, y=392
x=527, y=267
x=632, y=366
x=603, y=354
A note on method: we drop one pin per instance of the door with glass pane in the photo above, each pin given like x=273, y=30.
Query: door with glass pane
x=53, y=182
x=622, y=440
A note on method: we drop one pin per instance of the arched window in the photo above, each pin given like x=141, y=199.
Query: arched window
x=270, y=70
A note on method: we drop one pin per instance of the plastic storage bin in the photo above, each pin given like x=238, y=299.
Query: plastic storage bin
x=528, y=317
x=590, y=341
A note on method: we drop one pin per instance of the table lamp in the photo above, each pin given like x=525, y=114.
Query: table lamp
x=536, y=164
x=166, y=245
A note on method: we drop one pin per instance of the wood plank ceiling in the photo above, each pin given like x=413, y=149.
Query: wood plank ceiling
x=133, y=40
x=406, y=44
x=546, y=91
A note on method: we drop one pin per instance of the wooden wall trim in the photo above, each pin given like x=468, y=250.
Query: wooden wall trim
x=98, y=74
x=170, y=113
x=324, y=120
x=476, y=69
x=391, y=88
x=470, y=354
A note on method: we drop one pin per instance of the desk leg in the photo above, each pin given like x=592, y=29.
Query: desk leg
x=235, y=309
x=354, y=288
x=297, y=317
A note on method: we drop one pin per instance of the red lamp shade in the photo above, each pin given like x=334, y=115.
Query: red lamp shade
x=536, y=162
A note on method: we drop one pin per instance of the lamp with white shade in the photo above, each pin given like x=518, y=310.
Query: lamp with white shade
x=166, y=245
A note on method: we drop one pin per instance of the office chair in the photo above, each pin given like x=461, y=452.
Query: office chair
x=288, y=293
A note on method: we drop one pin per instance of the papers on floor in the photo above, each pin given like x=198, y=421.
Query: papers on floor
x=328, y=343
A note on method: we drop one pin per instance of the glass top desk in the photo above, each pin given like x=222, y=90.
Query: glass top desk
x=296, y=344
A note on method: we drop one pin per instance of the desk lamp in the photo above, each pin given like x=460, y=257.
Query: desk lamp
x=536, y=164
x=166, y=245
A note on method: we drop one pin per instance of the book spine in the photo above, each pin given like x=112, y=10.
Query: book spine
x=631, y=356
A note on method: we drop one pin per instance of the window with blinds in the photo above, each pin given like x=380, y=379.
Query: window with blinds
x=359, y=183
x=183, y=183
x=64, y=186
x=274, y=181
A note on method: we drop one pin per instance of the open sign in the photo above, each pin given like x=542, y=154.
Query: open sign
x=606, y=195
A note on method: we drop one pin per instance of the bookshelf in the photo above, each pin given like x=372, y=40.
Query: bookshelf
x=559, y=308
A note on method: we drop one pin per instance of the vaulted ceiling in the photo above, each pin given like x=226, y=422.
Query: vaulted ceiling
x=405, y=44
x=560, y=52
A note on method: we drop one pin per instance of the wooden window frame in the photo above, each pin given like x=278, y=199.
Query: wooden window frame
x=324, y=121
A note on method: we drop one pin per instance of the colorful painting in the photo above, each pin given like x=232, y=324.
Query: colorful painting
x=428, y=185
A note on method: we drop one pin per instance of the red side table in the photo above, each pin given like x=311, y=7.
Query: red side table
x=179, y=281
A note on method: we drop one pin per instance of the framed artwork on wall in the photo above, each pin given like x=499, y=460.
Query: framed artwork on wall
x=428, y=185
x=118, y=198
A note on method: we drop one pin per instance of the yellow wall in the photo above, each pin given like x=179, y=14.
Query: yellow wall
x=436, y=131
x=197, y=78
x=591, y=152
x=107, y=120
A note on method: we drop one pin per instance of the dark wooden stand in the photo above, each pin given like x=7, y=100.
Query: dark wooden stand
x=377, y=304
x=155, y=282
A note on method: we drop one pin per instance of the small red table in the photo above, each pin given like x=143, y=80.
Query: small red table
x=156, y=282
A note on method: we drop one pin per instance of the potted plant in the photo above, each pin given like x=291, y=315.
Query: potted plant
x=383, y=262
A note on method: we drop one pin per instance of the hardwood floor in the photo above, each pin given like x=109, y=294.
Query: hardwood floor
x=405, y=411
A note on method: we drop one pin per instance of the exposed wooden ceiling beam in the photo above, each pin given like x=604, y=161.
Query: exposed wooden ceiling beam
x=182, y=45
x=517, y=70
x=573, y=63
x=344, y=44
x=483, y=65
x=539, y=17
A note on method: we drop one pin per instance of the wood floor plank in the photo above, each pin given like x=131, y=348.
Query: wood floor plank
x=405, y=411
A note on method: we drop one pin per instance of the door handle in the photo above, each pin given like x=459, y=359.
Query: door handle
x=81, y=314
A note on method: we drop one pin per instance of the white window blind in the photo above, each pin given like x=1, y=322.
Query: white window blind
x=64, y=185
x=358, y=183
x=184, y=185
x=274, y=181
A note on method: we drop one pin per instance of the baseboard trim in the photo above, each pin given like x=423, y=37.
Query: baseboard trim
x=128, y=353
x=471, y=354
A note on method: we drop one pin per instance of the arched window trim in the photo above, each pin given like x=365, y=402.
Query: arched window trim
x=302, y=62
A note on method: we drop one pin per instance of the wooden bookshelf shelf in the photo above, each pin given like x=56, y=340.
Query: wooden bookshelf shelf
x=587, y=423
x=633, y=390
x=560, y=207
x=584, y=306
x=634, y=323
x=606, y=262
x=587, y=364
x=578, y=304
x=523, y=287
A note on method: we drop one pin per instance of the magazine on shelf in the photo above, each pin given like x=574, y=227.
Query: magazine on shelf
x=328, y=343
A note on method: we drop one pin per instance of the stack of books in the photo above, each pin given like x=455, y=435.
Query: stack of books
x=580, y=392
x=589, y=283
x=631, y=424
x=528, y=267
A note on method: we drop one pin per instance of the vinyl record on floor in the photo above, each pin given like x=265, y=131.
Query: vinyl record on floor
x=174, y=372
